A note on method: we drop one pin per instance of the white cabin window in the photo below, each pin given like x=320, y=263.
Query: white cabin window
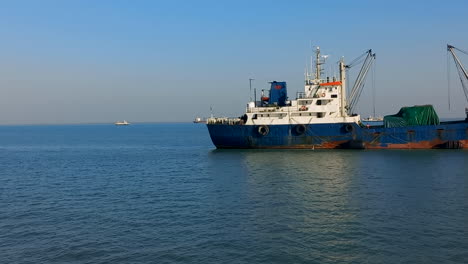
x=323, y=102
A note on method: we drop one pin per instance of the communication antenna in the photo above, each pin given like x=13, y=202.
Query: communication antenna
x=250, y=85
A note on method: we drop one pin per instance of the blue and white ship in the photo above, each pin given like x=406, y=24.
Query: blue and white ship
x=322, y=117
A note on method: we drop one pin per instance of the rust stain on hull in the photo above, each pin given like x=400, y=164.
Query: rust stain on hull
x=435, y=144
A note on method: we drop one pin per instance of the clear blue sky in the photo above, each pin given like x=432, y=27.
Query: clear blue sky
x=102, y=61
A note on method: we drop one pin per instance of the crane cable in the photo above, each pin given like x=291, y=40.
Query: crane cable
x=360, y=81
x=373, y=88
x=465, y=89
x=358, y=59
x=448, y=80
x=462, y=74
x=460, y=50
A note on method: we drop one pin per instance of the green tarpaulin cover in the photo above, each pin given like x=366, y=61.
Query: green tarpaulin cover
x=418, y=115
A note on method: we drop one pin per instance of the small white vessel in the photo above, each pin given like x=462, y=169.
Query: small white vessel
x=122, y=123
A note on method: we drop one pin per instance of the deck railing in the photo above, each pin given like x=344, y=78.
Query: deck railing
x=224, y=121
x=262, y=109
x=300, y=95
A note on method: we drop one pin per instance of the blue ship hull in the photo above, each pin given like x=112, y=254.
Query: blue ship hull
x=452, y=135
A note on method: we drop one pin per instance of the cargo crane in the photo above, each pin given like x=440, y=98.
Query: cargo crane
x=356, y=91
x=463, y=74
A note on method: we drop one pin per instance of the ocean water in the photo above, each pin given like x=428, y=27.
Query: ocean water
x=161, y=193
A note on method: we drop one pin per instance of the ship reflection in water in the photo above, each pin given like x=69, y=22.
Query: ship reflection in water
x=342, y=206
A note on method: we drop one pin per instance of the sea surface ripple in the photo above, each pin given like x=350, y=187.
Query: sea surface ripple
x=161, y=193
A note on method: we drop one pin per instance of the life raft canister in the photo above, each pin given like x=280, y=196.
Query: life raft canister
x=263, y=130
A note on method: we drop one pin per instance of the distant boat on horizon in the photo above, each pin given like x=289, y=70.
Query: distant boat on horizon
x=122, y=123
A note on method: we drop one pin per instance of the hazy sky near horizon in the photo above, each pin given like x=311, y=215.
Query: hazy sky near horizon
x=164, y=61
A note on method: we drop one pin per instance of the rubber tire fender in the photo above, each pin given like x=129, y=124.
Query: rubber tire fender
x=349, y=128
x=263, y=130
x=300, y=129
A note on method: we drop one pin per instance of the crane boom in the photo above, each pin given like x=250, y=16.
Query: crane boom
x=356, y=91
x=463, y=74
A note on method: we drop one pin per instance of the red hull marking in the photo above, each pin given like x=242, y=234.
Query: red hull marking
x=415, y=145
x=338, y=145
x=327, y=145
x=282, y=147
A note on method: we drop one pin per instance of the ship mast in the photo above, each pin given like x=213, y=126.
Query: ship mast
x=343, y=87
x=317, y=65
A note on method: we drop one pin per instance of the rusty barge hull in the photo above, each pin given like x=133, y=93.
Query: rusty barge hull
x=447, y=135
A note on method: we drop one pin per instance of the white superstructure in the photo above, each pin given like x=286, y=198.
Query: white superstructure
x=323, y=101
